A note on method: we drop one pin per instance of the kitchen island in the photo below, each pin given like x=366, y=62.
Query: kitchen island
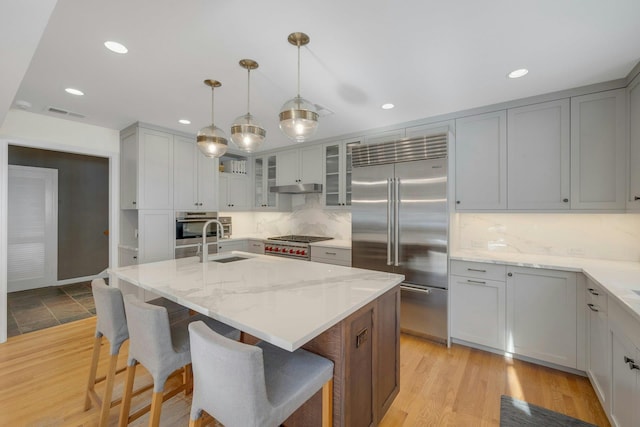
x=348, y=315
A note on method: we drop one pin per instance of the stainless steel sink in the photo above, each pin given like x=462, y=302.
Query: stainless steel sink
x=229, y=259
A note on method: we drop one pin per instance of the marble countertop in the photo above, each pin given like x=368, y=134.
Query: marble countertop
x=283, y=301
x=620, y=278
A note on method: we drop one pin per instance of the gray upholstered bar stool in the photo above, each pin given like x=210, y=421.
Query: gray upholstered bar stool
x=243, y=385
x=111, y=323
x=162, y=348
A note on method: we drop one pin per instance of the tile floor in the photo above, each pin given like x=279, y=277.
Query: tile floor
x=45, y=307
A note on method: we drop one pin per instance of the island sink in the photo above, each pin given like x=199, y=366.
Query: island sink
x=229, y=259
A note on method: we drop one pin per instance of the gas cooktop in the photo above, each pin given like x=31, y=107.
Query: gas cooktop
x=299, y=239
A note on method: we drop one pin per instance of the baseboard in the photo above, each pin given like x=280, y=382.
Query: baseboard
x=520, y=357
x=102, y=275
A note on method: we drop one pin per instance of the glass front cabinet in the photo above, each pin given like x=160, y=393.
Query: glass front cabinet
x=337, y=175
x=265, y=177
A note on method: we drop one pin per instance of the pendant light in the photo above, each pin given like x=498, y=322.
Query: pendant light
x=246, y=132
x=298, y=117
x=211, y=139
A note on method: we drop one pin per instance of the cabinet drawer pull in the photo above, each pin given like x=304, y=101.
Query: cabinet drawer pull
x=477, y=269
x=636, y=198
x=593, y=291
x=592, y=307
x=331, y=253
x=476, y=281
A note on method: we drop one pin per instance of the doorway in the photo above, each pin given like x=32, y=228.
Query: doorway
x=81, y=250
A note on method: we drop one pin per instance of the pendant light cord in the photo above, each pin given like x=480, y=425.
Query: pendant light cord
x=298, y=69
x=248, y=90
x=212, y=121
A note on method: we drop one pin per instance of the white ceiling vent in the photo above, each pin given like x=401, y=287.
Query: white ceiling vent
x=323, y=111
x=64, y=112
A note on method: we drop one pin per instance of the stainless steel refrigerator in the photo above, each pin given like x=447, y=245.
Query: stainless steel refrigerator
x=400, y=224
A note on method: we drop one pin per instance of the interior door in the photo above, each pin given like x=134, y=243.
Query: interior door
x=371, y=221
x=421, y=193
x=32, y=237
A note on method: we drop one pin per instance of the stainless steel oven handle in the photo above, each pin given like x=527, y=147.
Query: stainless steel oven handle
x=416, y=290
x=202, y=220
x=396, y=221
x=389, y=212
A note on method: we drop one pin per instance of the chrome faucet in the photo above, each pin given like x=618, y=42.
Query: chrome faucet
x=203, y=249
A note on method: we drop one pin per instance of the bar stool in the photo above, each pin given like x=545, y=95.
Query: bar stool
x=243, y=385
x=162, y=348
x=112, y=324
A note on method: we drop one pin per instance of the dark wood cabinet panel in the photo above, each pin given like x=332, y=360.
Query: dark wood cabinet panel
x=365, y=350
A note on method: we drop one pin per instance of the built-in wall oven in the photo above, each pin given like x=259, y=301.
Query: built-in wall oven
x=189, y=232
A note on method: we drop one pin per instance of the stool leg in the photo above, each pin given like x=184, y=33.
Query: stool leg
x=92, y=371
x=126, y=395
x=327, y=404
x=196, y=423
x=108, y=391
x=188, y=379
x=156, y=408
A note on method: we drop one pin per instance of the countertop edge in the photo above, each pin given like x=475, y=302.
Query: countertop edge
x=578, y=265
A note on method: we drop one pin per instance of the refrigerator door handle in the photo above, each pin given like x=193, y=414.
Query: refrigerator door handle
x=396, y=217
x=389, y=221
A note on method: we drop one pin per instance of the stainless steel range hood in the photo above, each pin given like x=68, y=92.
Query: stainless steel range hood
x=296, y=189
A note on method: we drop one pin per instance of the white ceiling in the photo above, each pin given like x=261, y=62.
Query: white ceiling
x=427, y=57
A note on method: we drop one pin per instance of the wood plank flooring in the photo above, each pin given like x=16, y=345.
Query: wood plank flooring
x=43, y=376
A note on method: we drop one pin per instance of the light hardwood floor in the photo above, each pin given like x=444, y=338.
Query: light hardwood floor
x=43, y=376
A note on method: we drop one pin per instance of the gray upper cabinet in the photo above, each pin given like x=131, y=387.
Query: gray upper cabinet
x=598, y=146
x=337, y=173
x=300, y=166
x=481, y=162
x=538, y=156
x=195, y=177
x=146, y=180
x=633, y=93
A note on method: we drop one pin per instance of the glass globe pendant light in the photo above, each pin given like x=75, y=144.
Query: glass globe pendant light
x=212, y=141
x=298, y=117
x=246, y=132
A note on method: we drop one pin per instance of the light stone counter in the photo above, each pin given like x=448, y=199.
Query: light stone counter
x=620, y=278
x=282, y=301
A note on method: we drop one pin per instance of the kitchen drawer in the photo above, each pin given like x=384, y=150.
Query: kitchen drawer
x=596, y=297
x=232, y=245
x=331, y=255
x=255, y=246
x=478, y=270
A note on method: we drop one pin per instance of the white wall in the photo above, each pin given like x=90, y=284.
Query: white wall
x=40, y=131
x=605, y=236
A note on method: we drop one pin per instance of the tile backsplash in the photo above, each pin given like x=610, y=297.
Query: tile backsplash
x=605, y=236
x=307, y=217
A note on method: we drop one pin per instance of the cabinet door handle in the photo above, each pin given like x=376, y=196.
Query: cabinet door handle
x=477, y=281
x=636, y=198
x=477, y=269
x=633, y=366
x=628, y=360
x=592, y=307
x=565, y=200
x=509, y=274
x=593, y=291
x=135, y=257
x=134, y=202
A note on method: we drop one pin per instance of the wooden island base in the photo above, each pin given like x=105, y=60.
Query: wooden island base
x=365, y=350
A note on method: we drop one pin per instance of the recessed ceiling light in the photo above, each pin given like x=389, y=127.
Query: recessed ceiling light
x=518, y=73
x=115, y=47
x=184, y=122
x=73, y=91
x=387, y=106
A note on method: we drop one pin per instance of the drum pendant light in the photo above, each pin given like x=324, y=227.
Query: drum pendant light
x=246, y=132
x=212, y=141
x=298, y=117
